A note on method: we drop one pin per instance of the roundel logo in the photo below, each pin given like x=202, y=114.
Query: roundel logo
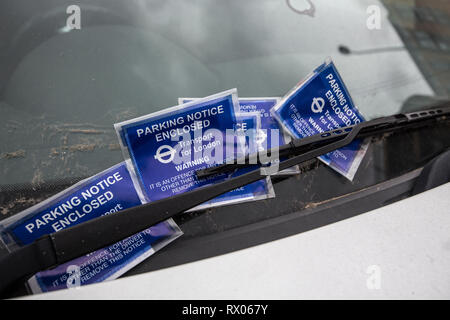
x=317, y=105
x=165, y=154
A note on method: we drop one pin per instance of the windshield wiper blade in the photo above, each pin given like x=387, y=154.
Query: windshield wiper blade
x=331, y=140
x=63, y=246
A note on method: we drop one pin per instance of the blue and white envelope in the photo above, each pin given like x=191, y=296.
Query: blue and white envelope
x=107, y=192
x=270, y=134
x=165, y=149
x=322, y=103
x=108, y=263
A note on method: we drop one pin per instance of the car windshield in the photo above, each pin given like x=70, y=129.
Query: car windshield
x=62, y=89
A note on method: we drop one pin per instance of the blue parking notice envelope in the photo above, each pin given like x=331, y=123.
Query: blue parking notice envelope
x=105, y=193
x=269, y=126
x=263, y=106
x=270, y=134
x=246, y=122
x=167, y=147
x=109, y=191
x=107, y=263
x=321, y=103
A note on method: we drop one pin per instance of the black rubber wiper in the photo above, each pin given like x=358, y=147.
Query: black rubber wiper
x=331, y=140
x=65, y=245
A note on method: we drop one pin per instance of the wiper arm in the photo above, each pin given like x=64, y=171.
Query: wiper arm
x=65, y=245
x=334, y=139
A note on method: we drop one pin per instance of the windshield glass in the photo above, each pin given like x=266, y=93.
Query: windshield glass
x=62, y=89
